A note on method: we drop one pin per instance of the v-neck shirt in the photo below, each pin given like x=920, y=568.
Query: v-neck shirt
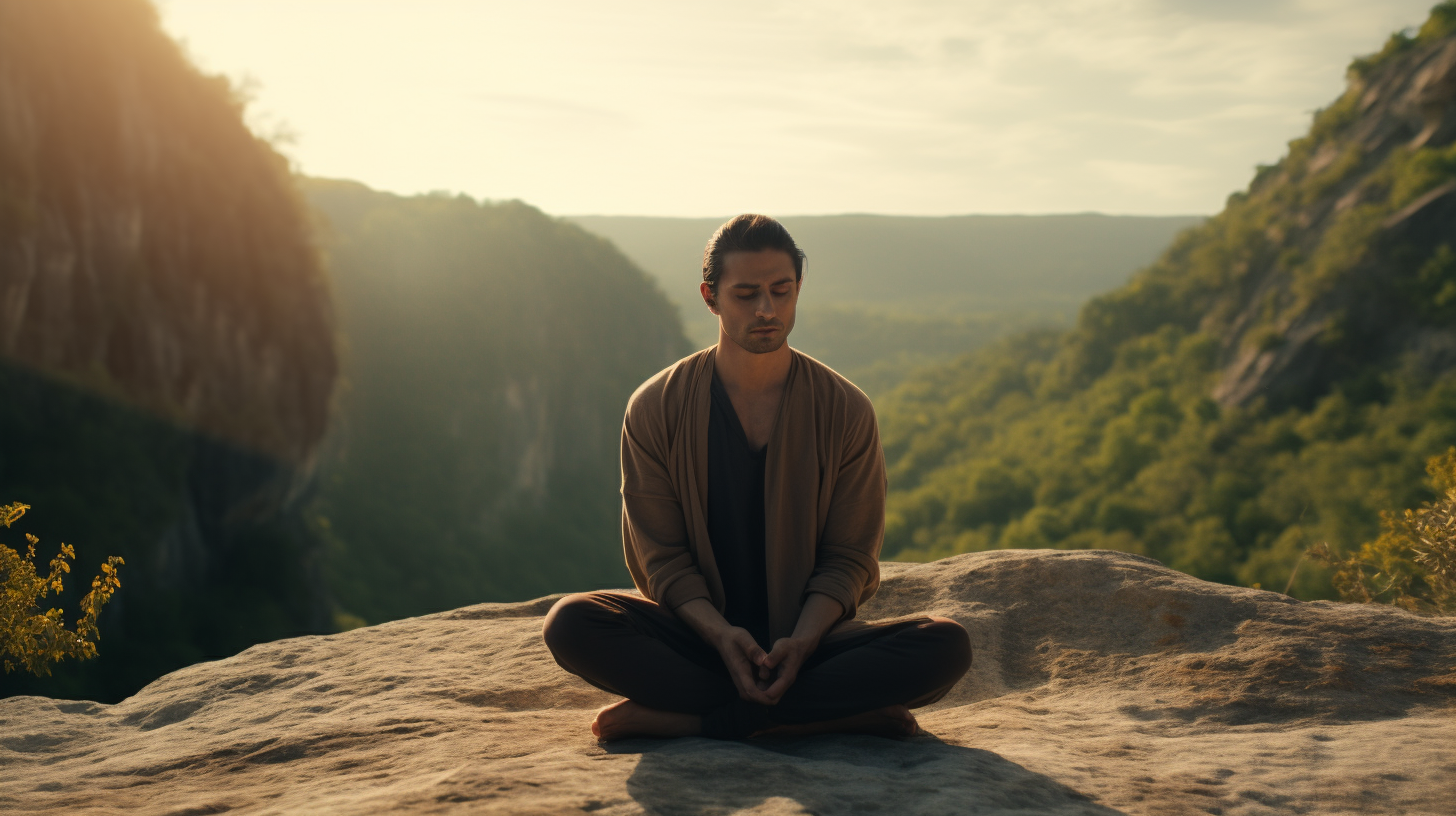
x=736, y=523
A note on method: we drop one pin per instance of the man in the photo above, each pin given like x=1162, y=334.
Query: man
x=753, y=501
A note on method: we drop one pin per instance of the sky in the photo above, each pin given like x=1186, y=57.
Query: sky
x=685, y=108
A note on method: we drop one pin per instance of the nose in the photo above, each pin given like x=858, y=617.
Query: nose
x=764, y=307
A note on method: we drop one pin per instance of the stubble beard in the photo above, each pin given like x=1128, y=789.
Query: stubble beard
x=754, y=344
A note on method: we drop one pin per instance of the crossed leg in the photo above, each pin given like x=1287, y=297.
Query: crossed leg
x=676, y=685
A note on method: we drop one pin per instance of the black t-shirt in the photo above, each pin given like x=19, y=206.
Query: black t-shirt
x=736, y=521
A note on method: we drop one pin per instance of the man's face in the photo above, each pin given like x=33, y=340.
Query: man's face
x=757, y=293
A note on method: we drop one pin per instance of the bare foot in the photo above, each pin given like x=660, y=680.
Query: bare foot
x=628, y=719
x=891, y=721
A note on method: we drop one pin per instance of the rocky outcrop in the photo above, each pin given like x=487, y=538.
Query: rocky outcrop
x=152, y=250
x=167, y=349
x=1346, y=269
x=1102, y=683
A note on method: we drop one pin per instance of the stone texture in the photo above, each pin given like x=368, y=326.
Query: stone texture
x=1102, y=683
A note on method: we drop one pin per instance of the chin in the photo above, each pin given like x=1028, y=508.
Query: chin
x=763, y=345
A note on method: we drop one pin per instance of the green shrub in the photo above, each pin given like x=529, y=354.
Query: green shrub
x=1413, y=563
x=32, y=639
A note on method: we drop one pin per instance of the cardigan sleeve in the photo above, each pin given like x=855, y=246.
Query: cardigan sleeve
x=846, y=565
x=654, y=528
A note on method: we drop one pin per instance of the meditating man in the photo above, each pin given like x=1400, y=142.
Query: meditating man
x=753, y=506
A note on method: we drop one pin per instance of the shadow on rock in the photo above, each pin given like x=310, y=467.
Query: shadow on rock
x=846, y=774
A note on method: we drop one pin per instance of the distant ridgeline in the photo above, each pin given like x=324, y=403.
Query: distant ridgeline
x=884, y=292
x=166, y=342
x=1274, y=380
x=489, y=354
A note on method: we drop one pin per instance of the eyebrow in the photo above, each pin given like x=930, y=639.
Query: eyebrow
x=779, y=282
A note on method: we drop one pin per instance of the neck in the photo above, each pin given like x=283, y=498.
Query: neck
x=745, y=371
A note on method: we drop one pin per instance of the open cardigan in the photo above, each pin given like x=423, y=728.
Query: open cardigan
x=824, y=486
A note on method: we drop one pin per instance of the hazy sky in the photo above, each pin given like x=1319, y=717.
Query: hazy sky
x=888, y=106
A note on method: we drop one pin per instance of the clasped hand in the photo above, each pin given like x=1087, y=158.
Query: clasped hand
x=763, y=677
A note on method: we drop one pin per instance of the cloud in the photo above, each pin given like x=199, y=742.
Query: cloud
x=1166, y=182
x=922, y=106
x=1238, y=10
x=522, y=106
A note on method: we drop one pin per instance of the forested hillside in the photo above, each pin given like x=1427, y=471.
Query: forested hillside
x=489, y=353
x=886, y=291
x=1274, y=380
x=166, y=344
x=170, y=306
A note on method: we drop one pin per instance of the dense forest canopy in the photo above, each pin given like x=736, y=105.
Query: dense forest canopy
x=490, y=351
x=883, y=292
x=1274, y=380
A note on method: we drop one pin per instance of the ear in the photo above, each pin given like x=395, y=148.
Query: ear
x=707, y=292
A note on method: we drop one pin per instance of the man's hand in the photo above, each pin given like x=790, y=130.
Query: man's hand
x=782, y=665
x=745, y=661
x=741, y=654
x=763, y=678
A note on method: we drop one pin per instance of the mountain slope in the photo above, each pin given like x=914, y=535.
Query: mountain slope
x=153, y=250
x=489, y=354
x=1275, y=379
x=167, y=357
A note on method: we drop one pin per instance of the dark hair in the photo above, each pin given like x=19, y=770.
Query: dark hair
x=748, y=233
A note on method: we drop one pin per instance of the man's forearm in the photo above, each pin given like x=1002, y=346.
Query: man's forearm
x=820, y=612
x=704, y=618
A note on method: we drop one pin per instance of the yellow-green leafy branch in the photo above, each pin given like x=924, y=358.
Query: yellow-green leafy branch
x=35, y=640
x=1413, y=562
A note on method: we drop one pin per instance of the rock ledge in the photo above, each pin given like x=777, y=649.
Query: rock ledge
x=1102, y=683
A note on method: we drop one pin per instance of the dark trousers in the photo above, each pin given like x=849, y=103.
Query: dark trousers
x=636, y=649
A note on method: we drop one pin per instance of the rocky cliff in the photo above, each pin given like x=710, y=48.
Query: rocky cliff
x=152, y=250
x=167, y=349
x=1102, y=683
x=1340, y=256
x=1275, y=380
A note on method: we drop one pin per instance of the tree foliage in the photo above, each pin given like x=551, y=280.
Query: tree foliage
x=1110, y=435
x=32, y=639
x=1413, y=563
x=490, y=351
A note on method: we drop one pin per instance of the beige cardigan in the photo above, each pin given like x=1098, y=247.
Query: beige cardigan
x=824, y=491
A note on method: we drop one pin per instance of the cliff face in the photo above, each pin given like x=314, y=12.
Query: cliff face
x=151, y=248
x=166, y=342
x=1341, y=255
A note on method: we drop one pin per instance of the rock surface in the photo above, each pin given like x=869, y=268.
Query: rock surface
x=1102, y=683
x=153, y=250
